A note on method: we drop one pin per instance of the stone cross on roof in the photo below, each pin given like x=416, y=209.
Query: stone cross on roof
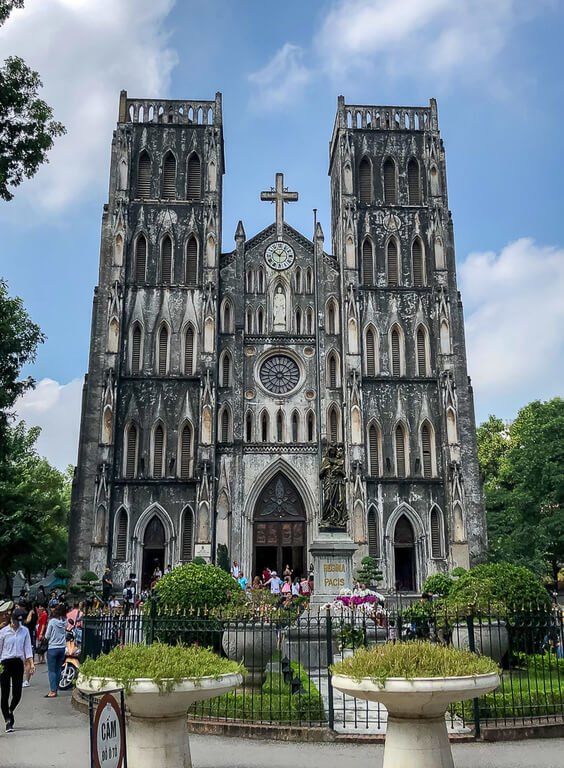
x=279, y=195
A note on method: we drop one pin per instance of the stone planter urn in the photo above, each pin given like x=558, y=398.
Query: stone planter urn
x=157, y=734
x=416, y=732
x=252, y=644
x=490, y=639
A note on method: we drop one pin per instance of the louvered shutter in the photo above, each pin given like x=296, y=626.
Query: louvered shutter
x=189, y=352
x=192, y=262
x=121, y=539
x=417, y=255
x=169, y=176
x=367, y=263
x=166, y=260
x=393, y=272
x=136, y=350
x=144, y=176
x=370, y=353
x=140, y=259
x=396, y=358
x=185, y=451
x=226, y=371
x=163, y=350
x=364, y=181
x=426, y=448
x=373, y=548
x=194, y=186
x=333, y=426
x=131, y=452
x=158, y=446
x=260, y=322
x=421, y=353
x=436, y=549
x=332, y=372
x=400, y=451
x=187, y=536
x=373, y=451
x=225, y=426
x=390, y=182
x=413, y=182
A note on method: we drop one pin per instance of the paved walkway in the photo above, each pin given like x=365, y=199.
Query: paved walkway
x=50, y=734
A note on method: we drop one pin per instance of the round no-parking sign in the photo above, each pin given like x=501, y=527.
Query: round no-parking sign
x=108, y=736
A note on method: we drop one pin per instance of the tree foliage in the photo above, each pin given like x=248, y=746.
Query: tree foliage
x=34, y=507
x=523, y=468
x=27, y=127
x=196, y=586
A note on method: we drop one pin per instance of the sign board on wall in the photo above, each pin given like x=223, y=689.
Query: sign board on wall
x=202, y=550
x=107, y=730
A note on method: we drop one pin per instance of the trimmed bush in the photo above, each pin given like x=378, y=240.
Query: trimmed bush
x=195, y=586
x=500, y=586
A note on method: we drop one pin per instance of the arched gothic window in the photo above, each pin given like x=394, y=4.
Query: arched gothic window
x=368, y=262
x=225, y=370
x=144, y=175
x=436, y=533
x=260, y=320
x=365, y=181
x=227, y=317
x=422, y=351
x=225, y=426
x=194, y=178
x=249, y=320
x=374, y=450
x=295, y=427
x=310, y=424
x=427, y=450
x=396, y=352
x=413, y=183
x=162, y=361
x=373, y=538
x=389, y=170
x=121, y=534
x=298, y=321
x=309, y=320
x=401, y=451
x=418, y=263
x=189, y=349
x=445, y=337
x=166, y=260
x=264, y=426
x=131, y=438
x=187, y=536
x=334, y=424
x=169, y=176
x=298, y=280
x=280, y=426
x=140, y=259
x=332, y=317
x=159, y=458
x=136, y=348
x=186, y=451
x=393, y=262
x=249, y=427
x=192, y=261
x=370, y=352
x=309, y=280
x=333, y=370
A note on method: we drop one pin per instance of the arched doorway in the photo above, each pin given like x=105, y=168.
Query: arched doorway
x=279, y=531
x=154, y=543
x=404, y=556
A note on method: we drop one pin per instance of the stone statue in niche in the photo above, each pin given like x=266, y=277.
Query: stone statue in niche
x=334, y=514
x=279, y=310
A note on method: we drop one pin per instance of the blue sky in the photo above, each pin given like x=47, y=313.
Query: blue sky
x=495, y=68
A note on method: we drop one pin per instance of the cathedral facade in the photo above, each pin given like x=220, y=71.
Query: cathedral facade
x=221, y=384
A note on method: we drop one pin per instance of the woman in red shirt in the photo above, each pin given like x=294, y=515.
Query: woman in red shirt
x=42, y=618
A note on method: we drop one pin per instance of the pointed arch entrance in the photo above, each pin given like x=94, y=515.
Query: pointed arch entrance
x=154, y=546
x=279, y=528
x=405, y=561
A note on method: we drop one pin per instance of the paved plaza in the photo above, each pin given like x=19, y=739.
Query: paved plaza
x=51, y=734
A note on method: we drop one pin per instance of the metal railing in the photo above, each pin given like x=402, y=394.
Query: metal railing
x=288, y=656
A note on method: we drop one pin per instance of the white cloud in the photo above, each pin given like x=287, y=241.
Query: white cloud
x=86, y=51
x=442, y=38
x=282, y=80
x=514, y=321
x=56, y=409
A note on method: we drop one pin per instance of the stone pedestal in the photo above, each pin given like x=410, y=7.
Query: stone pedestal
x=332, y=555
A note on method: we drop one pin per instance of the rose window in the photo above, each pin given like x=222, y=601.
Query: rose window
x=279, y=374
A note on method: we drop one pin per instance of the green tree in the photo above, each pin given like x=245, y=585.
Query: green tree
x=523, y=467
x=34, y=507
x=27, y=128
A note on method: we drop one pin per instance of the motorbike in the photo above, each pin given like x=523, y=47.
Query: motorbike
x=71, y=664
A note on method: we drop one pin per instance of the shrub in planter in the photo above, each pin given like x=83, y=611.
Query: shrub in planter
x=369, y=573
x=194, y=586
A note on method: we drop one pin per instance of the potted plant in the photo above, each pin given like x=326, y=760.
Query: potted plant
x=415, y=681
x=161, y=682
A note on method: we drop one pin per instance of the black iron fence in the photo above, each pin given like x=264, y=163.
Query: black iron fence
x=288, y=656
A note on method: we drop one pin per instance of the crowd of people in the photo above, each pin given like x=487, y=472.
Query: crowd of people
x=286, y=586
x=30, y=634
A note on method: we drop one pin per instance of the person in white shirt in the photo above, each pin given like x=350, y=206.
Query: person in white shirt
x=235, y=570
x=275, y=583
x=15, y=655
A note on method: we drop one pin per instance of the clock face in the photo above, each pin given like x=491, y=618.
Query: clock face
x=279, y=255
